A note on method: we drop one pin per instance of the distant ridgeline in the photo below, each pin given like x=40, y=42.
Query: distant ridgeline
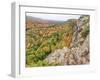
x=45, y=37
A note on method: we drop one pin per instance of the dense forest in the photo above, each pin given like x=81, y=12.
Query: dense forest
x=52, y=43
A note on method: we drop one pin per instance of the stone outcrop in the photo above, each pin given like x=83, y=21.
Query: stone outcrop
x=73, y=56
x=78, y=52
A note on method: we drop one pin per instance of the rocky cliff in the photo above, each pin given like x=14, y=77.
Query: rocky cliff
x=78, y=52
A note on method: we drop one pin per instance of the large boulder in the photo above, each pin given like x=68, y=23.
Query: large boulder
x=72, y=56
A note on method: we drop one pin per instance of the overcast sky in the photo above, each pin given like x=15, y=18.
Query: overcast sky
x=57, y=17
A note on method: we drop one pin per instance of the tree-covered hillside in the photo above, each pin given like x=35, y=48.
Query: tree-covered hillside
x=44, y=39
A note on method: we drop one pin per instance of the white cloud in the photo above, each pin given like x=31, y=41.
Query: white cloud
x=58, y=17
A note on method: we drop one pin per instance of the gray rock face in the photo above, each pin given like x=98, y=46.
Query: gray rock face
x=78, y=53
x=73, y=56
x=58, y=56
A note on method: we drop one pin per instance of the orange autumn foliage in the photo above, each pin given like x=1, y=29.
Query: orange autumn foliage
x=68, y=39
